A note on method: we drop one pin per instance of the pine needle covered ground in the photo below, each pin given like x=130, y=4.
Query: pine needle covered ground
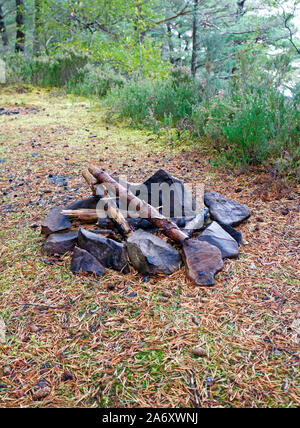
x=121, y=341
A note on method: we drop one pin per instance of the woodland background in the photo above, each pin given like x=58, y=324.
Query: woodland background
x=226, y=73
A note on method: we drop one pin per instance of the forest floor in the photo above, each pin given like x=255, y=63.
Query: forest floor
x=94, y=346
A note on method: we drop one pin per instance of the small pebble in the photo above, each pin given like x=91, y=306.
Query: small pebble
x=41, y=393
x=285, y=211
x=67, y=376
x=7, y=370
x=196, y=321
x=209, y=381
x=167, y=293
x=33, y=328
x=199, y=352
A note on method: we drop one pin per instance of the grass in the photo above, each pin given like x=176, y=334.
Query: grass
x=135, y=350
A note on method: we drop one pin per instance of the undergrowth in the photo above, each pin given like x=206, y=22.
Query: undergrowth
x=243, y=125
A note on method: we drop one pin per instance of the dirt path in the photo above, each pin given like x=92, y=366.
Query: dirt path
x=119, y=341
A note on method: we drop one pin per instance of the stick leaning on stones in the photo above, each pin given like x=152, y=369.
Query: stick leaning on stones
x=111, y=206
x=201, y=273
x=145, y=210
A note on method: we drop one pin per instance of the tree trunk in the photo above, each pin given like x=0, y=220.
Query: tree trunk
x=37, y=27
x=146, y=211
x=240, y=9
x=20, y=21
x=170, y=42
x=195, y=38
x=3, y=32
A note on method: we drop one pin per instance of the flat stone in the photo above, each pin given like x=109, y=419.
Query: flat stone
x=202, y=261
x=89, y=203
x=61, y=243
x=216, y=235
x=84, y=262
x=151, y=255
x=55, y=222
x=110, y=253
x=224, y=210
x=59, y=180
x=233, y=232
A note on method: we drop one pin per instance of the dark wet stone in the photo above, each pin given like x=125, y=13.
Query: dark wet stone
x=209, y=381
x=67, y=375
x=224, y=210
x=8, y=112
x=110, y=253
x=151, y=255
x=84, y=262
x=90, y=204
x=206, y=215
x=133, y=294
x=216, y=235
x=42, y=383
x=61, y=243
x=202, y=261
x=233, y=232
x=139, y=223
x=55, y=222
x=285, y=211
x=59, y=180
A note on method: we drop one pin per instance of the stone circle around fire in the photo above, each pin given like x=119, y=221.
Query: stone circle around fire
x=98, y=244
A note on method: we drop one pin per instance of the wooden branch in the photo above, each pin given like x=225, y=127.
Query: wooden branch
x=89, y=216
x=92, y=216
x=287, y=18
x=145, y=210
x=111, y=207
x=91, y=181
x=183, y=12
x=119, y=219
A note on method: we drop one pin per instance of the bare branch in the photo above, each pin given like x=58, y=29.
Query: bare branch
x=287, y=18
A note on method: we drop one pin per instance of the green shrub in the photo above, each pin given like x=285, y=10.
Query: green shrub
x=95, y=81
x=45, y=71
x=69, y=71
x=250, y=127
x=147, y=102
